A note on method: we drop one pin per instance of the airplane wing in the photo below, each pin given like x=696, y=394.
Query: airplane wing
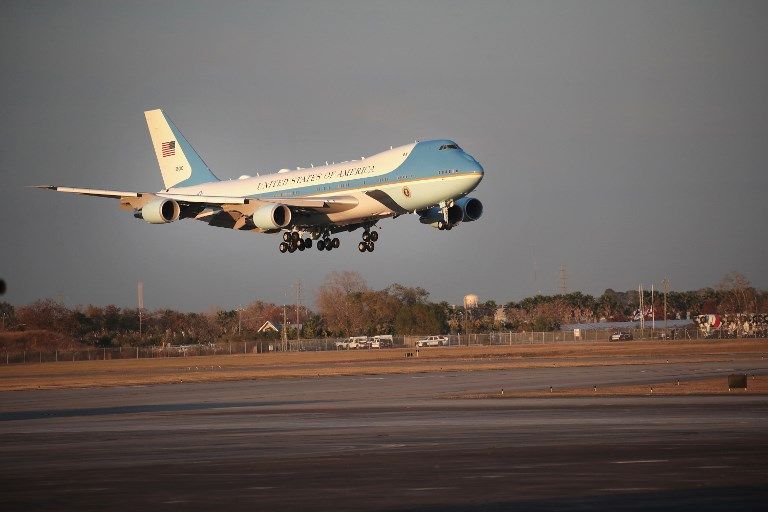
x=91, y=191
x=224, y=211
x=321, y=205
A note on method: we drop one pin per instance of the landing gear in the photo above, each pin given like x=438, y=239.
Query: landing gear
x=444, y=226
x=292, y=241
x=369, y=237
x=366, y=246
x=327, y=243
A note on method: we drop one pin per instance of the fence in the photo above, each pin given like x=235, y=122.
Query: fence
x=328, y=344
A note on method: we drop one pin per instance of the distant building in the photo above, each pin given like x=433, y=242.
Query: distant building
x=277, y=327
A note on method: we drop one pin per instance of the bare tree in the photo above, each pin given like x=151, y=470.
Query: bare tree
x=738, y=295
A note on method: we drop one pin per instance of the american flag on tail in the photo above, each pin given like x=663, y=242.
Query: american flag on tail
x=168, y=148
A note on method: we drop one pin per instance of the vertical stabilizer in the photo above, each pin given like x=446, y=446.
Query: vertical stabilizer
x=179, y=163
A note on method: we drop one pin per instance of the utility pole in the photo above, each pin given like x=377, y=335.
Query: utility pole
x=665, y=283
x=297, y=285
x=563, y=280
x=642, y=314
x=140, y=294
x=285, y=323
x=653, y=311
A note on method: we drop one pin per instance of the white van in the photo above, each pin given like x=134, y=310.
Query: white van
x=357, y=342
x=382, y=341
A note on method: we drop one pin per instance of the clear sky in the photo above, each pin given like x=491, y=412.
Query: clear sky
x=625, y=140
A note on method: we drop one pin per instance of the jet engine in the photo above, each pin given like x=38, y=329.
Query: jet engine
x=271, y=216
x=471, y=208
x=434, y=216
x=160, y=211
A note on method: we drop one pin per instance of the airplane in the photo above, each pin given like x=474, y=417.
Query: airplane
x=430, y=178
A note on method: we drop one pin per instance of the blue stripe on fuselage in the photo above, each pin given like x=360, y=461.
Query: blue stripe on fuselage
x=424, y=161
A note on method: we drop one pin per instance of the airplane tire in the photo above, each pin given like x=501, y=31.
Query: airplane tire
x=370, y=246
x=291, y=247
x=283, y=247
x=374, y=236
x=295, y=236
x=362, y=247
x=320, y=245
x=328, y=244
x=300, y=244
x=308, y=243
x=336, y=243
x=286, y=236
x=366, y=236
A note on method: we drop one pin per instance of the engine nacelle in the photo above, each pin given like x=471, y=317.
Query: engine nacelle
x=271, y=216
x=160, y=211
x=434, y=216
x=471, y=208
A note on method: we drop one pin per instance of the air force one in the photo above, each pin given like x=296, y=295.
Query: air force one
x=429, y=178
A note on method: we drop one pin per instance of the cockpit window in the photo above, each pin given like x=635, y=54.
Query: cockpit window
x=448, y=146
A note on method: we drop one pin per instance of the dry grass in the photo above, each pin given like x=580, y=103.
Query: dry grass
x=366, y=362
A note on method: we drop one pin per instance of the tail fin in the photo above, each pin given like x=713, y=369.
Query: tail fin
x=180, y=164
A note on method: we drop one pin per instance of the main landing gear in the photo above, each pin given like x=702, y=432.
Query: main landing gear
x=369, y=239
x=292, y=241
x=328, y=243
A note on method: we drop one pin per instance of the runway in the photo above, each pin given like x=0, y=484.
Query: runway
x=389, y=442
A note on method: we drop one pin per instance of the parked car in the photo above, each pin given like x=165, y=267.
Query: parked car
x=357, y=342
x=432, y=341
x=382, y=341
x=621, y=336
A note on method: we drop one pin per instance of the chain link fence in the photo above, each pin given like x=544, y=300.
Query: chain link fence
x=329, y=344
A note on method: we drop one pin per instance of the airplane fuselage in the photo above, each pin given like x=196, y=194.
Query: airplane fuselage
x=400, y=180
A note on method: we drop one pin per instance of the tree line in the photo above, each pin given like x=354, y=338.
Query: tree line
x=347, y=306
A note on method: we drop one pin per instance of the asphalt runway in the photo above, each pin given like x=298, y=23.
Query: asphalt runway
x=388, y=443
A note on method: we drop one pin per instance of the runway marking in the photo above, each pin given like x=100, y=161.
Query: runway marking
x=629, y=489
x=428, y=488
x=712, y=467
x=649, y=461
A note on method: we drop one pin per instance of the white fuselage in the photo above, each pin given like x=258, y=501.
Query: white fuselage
x=412, y=187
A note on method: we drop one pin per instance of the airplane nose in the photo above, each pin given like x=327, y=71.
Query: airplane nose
x=474, y=166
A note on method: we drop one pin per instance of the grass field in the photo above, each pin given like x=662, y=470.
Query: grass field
x=366, y=362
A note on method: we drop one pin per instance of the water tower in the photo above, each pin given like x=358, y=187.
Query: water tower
x=470, y=301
